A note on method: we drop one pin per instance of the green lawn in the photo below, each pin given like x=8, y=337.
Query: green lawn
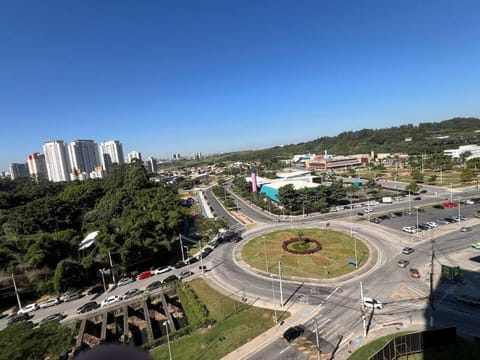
x=236, y=324
x=330, y=261
x=463, y=349
x=372, y=347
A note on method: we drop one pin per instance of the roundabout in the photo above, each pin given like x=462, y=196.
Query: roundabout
x=306, y=253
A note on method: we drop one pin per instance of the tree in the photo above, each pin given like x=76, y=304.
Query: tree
x=412, y=187
x=467, y=175
x=464, y=156
x=68, y=275
x=417, y=176
x=288, y=197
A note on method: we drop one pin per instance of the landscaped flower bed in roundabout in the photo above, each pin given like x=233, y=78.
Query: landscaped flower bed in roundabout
x=309, y=253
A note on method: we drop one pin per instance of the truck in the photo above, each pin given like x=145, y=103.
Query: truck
x=387, y=200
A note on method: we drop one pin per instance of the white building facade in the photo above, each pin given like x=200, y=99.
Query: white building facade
x=37, y=166
x=56, y=160
x=84, y=156
x=111, y=152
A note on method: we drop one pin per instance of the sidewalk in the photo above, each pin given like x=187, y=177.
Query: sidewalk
x=298, y=314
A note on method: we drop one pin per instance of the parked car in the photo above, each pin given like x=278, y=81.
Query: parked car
x=97, y=289
x=443, y=221
x=372, y=303
x=125, y=281
x=110, y=300
x=154, y=285
x=144, y=275
x=170, y=278
x=162, y=270
x=50, y=318
x=50, y=302
x=131, y=293
x=69, y=296
x=466, y=229
x=27, y=309
x=18, y=318
x=417, y=198
x=403, y=263
x=432, y=224
x=409, y=229
x=414, y=273
x=424, y=227
x=89, y=306
x=469, y=202
x=185, y=274
x=368, y=210
x=407, y=250
x=293, y=332
x=476, y=246
x=438, y=206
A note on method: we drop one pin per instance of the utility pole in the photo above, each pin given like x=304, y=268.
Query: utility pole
x=102, y=271
x=363, y=311
x=316, y=336
x=111, y=266
x=432, y=306
x=273, y=294
x=16, y=293
x=280, y=278
x=181, y=247
x=265, y=251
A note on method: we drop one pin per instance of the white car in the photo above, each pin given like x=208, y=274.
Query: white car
x=49, y=302
x=372, y=303
x=110, y=300
x=409, y=229
x=469, y=202
x=125, y=281
x=432, y=224
x=162, y=270
x=28, y=308
x=367, y=210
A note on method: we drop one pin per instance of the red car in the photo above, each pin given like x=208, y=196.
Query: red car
x=450, y=204
x=414, y=273
x=144, y=275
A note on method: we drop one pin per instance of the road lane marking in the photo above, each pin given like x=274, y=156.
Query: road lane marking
x=288, y=347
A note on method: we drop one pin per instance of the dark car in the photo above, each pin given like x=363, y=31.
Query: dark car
x=185, y=274
x=154, y=285
x=170, y=279
x=53, y=317
x=179, y=264
x=293, y=332
x=98, y=289
x=438, y=206
x=417, y=198
x=131, y=293
x=89, y=306
x=18, y=318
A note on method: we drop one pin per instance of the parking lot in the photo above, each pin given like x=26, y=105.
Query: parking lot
x=404, y=218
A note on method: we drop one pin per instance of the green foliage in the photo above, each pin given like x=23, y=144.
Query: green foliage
x=467, y=175
x=412, y=187
x=417, y=176
x=69, y=274
x=20, y=342
x=195, y=311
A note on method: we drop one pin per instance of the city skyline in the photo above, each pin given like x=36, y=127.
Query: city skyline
x=220, y=76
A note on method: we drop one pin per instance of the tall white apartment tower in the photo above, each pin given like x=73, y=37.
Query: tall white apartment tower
x=133, y=155
x=111, y=152
x=84, y=156
x=37, y=166
x=56, y=159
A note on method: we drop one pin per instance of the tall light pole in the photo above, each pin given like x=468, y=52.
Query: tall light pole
x=165, y=323
x=102, y=271
x=416, y=233
x=16, y=293
x=459, y=219
x=280, y=278
x=111, y=267
x=451, y=192
x=409, y=201
x=265, y=251
x=273, y=294
x=316, y=336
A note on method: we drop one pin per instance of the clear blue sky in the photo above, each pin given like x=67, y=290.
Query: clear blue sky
x=212, y=76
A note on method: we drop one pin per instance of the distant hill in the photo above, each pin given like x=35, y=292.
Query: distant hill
x=427, y=138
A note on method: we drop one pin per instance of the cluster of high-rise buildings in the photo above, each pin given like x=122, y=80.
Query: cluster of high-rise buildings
x=78, y=160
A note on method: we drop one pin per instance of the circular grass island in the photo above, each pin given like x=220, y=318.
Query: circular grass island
x=307, y=253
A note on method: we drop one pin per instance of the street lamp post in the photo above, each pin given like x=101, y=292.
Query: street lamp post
x=409, y=201
x=459, y=218
x=16, y=293
x=165, y=323
x=102, y=271
x=265, y=251
x=273, y=294
x=416, y=233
